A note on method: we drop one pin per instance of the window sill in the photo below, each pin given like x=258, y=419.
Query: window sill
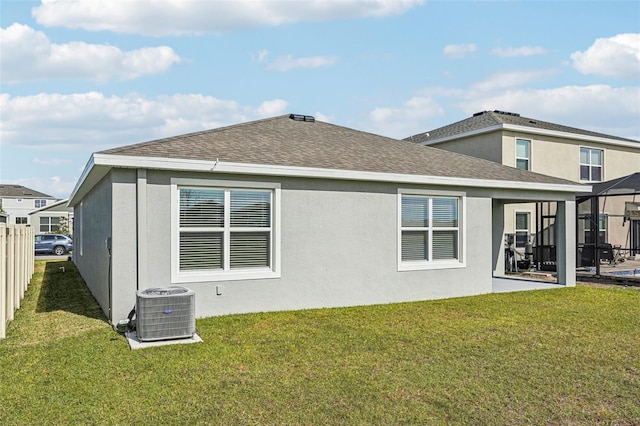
x=196, y=277
x=419, y=266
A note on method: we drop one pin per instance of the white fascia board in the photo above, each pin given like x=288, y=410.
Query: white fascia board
x=463, y=135
x=536, y=131
x=160, y=163
x=57, y=203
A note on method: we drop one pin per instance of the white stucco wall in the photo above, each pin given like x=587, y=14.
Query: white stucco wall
x=339, y=248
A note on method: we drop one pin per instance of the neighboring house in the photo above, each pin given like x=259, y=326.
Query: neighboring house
x=291, y=213
x=47, y=220
x=18, y=201
x=552, y=149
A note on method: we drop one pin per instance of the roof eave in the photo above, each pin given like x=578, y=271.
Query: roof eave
x=100, y=164
x=537, y=131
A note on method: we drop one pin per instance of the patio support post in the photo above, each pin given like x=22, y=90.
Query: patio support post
x=566, y=242
x=497, y=237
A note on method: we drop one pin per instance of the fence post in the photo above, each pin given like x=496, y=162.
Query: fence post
x=3, y=281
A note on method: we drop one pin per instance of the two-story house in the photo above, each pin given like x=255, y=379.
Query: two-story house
x=555, y=150
x=18, y=201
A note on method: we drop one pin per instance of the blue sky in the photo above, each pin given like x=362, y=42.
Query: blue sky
x=80, y=76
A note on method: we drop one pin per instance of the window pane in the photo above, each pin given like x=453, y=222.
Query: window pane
x=522, y=164
x=522, y=148
x=596, y=173
x=445, y=212
x=596, y=157
x=584, y=173
x=249, y=249
x=415, y=211
x=522, y=221
x=201, y=250
x=584, y=156
x=445, y=244
x=201, y=208
x=44, y=228
x=55, y=220
x=251, y=209
x=414, y=245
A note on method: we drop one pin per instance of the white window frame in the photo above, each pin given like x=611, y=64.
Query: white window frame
x=48, y=224
x=590, y=164
x=415, y=265
x=39, y=203
x=515, y=226
x=273, y=271
x=528, y=159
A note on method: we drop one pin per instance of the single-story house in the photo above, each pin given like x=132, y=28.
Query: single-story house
x=290, y=213
x=49, y=218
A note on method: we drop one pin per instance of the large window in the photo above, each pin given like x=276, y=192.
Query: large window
x=430, y=231
x=49, y=224
x=523, y=157
x=591, y=164
x=225, y=233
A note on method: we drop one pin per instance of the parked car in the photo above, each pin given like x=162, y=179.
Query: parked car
x=57, y=244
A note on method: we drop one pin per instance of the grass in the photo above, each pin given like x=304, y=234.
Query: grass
x=566, y=356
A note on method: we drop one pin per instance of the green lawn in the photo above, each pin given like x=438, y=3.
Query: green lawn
x=566, y=356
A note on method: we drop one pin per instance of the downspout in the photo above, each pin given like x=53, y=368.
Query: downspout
x=141, y=229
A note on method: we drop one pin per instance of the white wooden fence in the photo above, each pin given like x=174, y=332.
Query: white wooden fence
x=16, y=268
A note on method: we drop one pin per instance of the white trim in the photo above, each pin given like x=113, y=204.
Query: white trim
x=159, y=163
x=141, y=228
x=461, y=262
x=197, y=276
x=535, y=131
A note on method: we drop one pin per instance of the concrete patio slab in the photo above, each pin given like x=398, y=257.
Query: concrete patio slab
x=134, y=343
x=506, y=285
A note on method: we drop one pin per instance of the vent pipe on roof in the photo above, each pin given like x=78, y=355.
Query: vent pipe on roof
x=300, y=117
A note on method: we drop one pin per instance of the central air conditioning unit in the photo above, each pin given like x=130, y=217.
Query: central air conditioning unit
x=165, y=313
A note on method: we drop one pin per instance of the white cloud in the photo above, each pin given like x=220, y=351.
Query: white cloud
x=458, y=51
x=92, y=121
x=617, y=56
x=514, y=52
x=509, y=79
x=575, y=106
x=28, y=54
x=175, y=17
x=288, y=62
x=406, y=119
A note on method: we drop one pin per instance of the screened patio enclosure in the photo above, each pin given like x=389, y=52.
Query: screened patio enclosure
x=608, y=222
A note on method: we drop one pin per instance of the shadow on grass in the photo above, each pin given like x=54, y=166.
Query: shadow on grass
x=63, y=289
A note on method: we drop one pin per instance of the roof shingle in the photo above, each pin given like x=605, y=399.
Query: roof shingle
x=487, y=119
x=282, y=141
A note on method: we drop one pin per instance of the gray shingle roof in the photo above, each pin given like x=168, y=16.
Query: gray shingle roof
x=8, y=190
x=486, y=119
x=282, y=141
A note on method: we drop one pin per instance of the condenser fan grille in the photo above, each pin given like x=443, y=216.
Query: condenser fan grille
x=165, y=313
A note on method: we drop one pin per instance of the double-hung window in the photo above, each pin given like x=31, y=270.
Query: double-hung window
x=591, y=164
x=49, y=224
x=523, y=157
x=40, y=203
x=430, y=231
x=225, y=233
x=522, y=228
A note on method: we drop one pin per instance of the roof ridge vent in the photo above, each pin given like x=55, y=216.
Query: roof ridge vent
x=479, y=113
x=513, y=114
x=301, y=117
